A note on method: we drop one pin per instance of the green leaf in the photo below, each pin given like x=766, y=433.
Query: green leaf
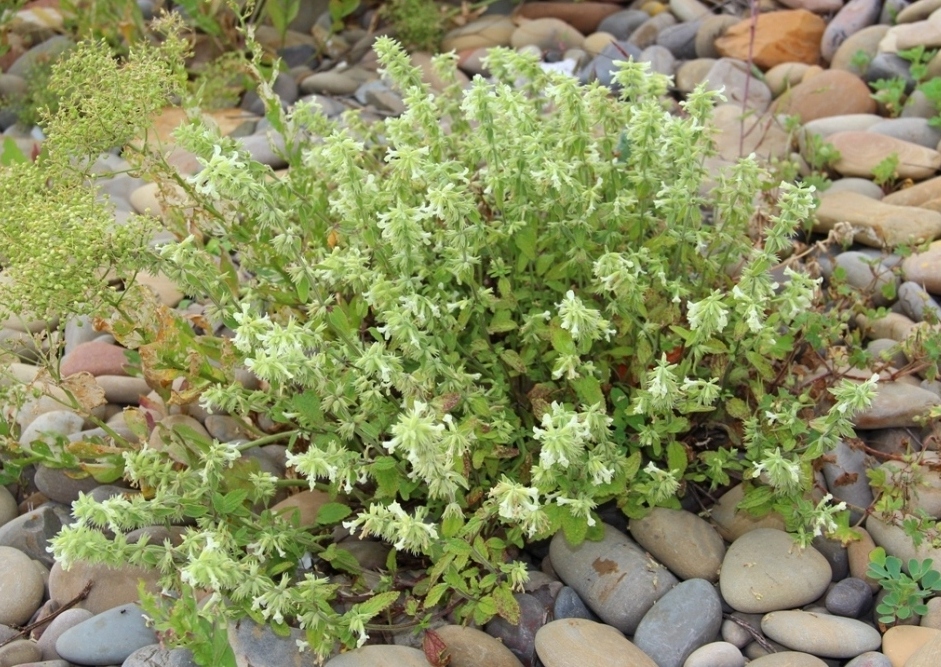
x=574, y=527
x=11, y=153
x=339, y=322
x=525, y=241
x=435, y=594
x=502, y=322
x=562, y=340
x=341, y=559
x=378, y=603
x=512, y=359
x=737, y=408
x=676, y=457
x=340, y=9
x=307, y=406
x=281, y=13
x=588, y=390
x=507, y=606
x=332, y=513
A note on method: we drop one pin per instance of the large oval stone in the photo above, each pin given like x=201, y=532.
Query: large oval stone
x=578, y=642
x=684, y=619
x=765, y=570
x=682, y=541
x=614, y=576
x=821, y=634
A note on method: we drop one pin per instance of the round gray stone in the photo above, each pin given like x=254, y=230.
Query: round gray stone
x=684, y=542
x=156, y=656
x=21, y=587
x=615, y=577
x=108, y=638
x=765, y=570
x=687, y=617
x=64, y=621
x=822, y=635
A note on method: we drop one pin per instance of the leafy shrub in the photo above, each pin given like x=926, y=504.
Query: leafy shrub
x=473, y=324
x=906, y=590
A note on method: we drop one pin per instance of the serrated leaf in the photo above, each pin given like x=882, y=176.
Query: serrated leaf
x=512, y=359
x=631, y=466
x=341, y=559
x=339, y=322
x=676, y=457
x=506, y=604
x=435, y=594
x=562, y=341
x=588, y=390
x=378, y=603
x=737, y=408
x=574, y=527
x=760, y=364
x=451, y=524
x=331, y=513
x=502, y=322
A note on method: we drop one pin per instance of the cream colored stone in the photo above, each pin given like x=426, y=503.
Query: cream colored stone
x=876, y=223
x=902, y=641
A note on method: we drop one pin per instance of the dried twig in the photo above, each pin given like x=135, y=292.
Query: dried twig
x=24, y=631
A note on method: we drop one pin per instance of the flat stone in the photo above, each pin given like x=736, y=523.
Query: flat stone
x=896, y=405
x=765, y=570
x=822, y=635
x=576, y=642
x=57, y=485
x=730, y=77
x=739, y=136
x=617, y=579
x=19, y=652
x=485, y=32
x=879, y=224
x=687, y=544
x=584, y=16
x=379, y=655
x=64, y=621
x=853, y=17
x=830, y=93
x=716, y=654
x=110, y=587
x=21, y=587
x=900, y=642
x=913, y=130
x=687, y=617
x=865, y=41
x=8, y=509
x=621, y=24
x=870, y=659
x=470, y=647
x=647, y=32
x=546, y=33
x=56, y=422
x=915, y=302
x=30, y=533
x=896, y=543
x=784, y=76
x=732, y=522
x=861, y=152
x=924, y=268
x=775, y=38
x=95, y=358
x=106, y=638
x=788, y=659
x=866, y=274
x=691, y=73
x=156, y=656
x=917, y=11
x=680, y=40
x=712, y=27
x=258, y=646
x=928, y=655
x=846, y=478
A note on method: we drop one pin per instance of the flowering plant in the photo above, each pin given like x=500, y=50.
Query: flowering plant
x=473, y=324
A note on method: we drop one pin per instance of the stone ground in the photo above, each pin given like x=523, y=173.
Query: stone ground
x=728, y=589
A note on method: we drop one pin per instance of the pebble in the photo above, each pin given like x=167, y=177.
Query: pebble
x=258, y=646
x=95, y=358
x=380, y=655
x=716, y=654
x=846, y=475
x=8, y=510
x=732, y=522
x=520, y=637
x=684, y=542
x=54, y=422
x=576, y=642
x=106, y=638
x=485, y=32
x=850, y=597
x=30, y=532
x=896, y=404
x=21, y=587
x=853, y=17
x=822, y=635
x=830, y=93
x=621, y=24
x=470, y=647
x=19, y=652
x=157, y=656
x=914, y=130
x=915, y=302
x=872, y=278
x=111, y=587
x=879, y=224
x=775, y=38
x=901, y=641
x=59, y=625
x=896, y=543
x=614, y=576
x=861, y=152
x=687, y=617
x=866, y=42
x=928, y=655
x=569, y=605
x=870, y=659
x=546, y=33
x=765, y=570
x=730, y=76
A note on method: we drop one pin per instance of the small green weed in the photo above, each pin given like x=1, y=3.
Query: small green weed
x=907, y=592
